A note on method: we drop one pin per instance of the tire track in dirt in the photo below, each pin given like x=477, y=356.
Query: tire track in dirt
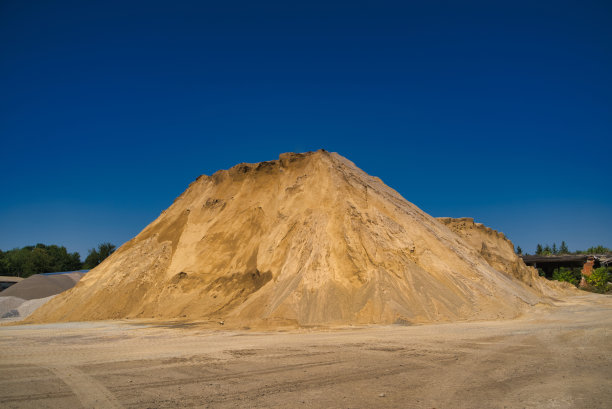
x=283, y=387
x=335, y=374
x=470, y=376
x=221, y=377
x=34, y=397
x=91, y=393
x=82, y=383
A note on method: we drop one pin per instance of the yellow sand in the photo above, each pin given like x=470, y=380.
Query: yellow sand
x=308, y=239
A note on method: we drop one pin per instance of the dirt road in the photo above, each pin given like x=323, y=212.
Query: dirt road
x=551, y=358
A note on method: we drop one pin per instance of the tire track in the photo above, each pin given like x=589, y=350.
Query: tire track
x=84, y=384
x=91, y=393
x=221, y=377
x=283, y=387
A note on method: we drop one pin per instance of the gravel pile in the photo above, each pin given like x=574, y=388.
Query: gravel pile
x=23, y=310
x=9, y=303
x=41, y=286
x=22, y=299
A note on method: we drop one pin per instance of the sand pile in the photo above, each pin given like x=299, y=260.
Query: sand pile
x=307, y=239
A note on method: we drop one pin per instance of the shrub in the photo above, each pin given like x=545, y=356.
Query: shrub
x=567, y=274
x=599, y=279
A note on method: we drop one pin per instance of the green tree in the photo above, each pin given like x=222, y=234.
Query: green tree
x=554, y=249
x=539, y=249
x=37, y=259
x=74, y=262
x=519, y=250
x=598, y=250
x=17, y=259
x=4, y=266
x=96, y=256
x=92, y=259
x=547, y=250
x=563, y=249
x=62, y=260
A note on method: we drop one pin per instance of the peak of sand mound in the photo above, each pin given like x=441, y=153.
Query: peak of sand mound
x=306, y=239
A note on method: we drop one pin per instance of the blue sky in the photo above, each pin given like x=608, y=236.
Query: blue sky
x=499, y=111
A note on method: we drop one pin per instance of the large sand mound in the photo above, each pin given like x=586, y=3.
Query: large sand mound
x=307, y=239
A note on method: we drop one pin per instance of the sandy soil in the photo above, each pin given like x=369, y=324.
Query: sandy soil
x=553, y=357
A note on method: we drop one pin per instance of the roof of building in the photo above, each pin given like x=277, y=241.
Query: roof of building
x=604, y=259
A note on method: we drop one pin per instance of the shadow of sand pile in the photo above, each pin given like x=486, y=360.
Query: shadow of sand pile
x=22, y=299
x=308, y=239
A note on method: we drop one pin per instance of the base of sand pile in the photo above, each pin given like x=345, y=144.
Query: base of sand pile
x=553, y=357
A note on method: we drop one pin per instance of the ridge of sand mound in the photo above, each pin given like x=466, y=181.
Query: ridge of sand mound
x=307, y=239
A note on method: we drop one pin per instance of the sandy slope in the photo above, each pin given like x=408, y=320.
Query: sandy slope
x=307, y=239
x=498, y=251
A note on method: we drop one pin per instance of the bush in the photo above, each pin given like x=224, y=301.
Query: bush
x=599, y=279
x=568, y=275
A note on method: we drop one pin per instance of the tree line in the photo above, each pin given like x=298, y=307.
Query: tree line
x=42, y=258
x=547, y=250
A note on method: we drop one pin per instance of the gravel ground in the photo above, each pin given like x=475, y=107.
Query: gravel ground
x=552, y=357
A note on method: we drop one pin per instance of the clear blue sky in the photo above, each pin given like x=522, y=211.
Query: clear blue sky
x=501, y=111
